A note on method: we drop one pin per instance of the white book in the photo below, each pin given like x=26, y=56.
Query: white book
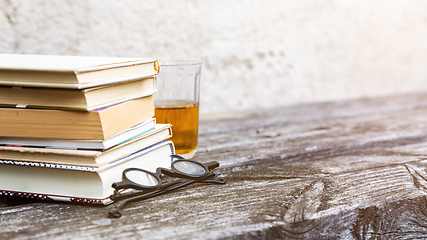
x=73, y=72
x=63, y=182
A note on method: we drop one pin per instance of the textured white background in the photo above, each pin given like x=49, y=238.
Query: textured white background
x=255, y=52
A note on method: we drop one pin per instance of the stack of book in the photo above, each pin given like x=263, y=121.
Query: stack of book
x=70, y=125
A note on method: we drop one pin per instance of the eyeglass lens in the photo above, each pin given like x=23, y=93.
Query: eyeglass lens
x=141, y=178
x=189, y=168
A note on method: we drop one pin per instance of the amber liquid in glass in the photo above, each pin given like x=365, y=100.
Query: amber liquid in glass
x=184, y=118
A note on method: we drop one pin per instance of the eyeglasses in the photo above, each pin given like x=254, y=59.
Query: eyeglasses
x=150, y=184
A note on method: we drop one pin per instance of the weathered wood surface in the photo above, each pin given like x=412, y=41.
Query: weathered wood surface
x=338, y=170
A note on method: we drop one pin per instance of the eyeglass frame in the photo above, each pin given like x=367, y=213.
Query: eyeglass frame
x=148, y=192
x=173, y=172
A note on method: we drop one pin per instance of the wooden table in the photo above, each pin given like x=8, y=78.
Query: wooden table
x=347, y=169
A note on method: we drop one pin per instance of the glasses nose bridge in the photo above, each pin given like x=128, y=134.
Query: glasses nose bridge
x=159, y=172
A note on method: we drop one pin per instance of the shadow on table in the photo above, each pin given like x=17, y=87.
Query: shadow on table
x=6, y=201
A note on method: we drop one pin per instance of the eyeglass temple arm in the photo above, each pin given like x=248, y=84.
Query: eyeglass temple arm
x=116, y=197
x=116, y=213
x=209, y=179
x=212, y=179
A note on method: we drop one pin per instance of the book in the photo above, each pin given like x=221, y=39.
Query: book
x=77, y=72
x=76, y=99
x=117, y=139
x=75, y=183
x=86, y=158
x=99, y=124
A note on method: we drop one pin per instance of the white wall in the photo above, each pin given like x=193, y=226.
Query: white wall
x=255, y=52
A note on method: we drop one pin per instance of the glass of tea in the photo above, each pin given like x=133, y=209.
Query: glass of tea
x=177, y=102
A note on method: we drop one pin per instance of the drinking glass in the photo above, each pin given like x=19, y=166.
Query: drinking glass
x=177, y=103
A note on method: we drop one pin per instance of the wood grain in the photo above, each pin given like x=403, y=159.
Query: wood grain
x=335, y=170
